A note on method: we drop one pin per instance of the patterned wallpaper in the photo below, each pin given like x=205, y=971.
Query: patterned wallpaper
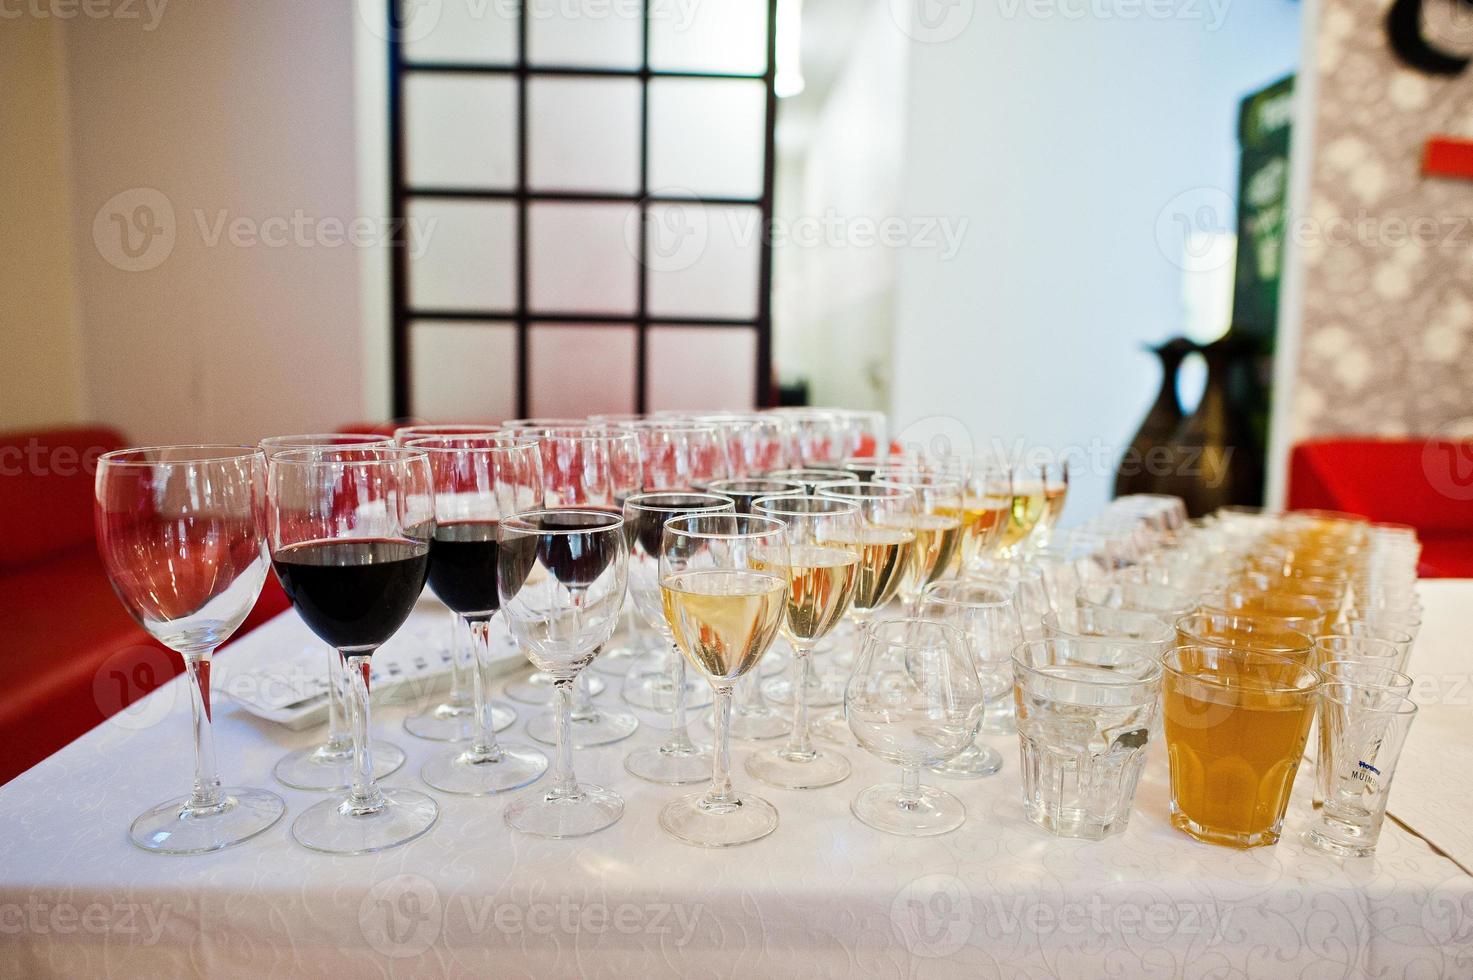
x=1387, y=342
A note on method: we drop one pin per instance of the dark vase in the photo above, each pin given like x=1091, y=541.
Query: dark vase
x=1216, y=460
x=1141, y=464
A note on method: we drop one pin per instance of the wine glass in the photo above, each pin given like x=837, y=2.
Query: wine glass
x=821, y=579
x=585, y=466
x=349, y=532
x=937, y=527
x=453, y=719
x=755, y=444
x=743, y=492
x=987, y=618
x=329, y=766
x=885, y=550
x=588, y=467
x=815, y=437
x=914, y=700
x=724, y=609
x=179, y=530
x=1053, y=473
x=478, y=480
x=561, y=576
x=812, y=477
x=987, y=509
x=677, y=760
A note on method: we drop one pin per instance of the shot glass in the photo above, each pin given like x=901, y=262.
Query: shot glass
x=1086, y=709
x=1362, y=731
x=1236, y=722
x=1358, y=674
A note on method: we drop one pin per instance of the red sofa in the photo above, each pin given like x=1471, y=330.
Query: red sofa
x=1427, y=483
x=73, y=655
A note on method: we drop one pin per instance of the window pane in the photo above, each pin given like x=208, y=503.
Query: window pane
x=701, y=368
x=584, y=134
x=577, y=371
x=707, y=136
x=460, y=131
x=703, y=260
x=581, y=261
x=588, y=34
x=462, y=255
x=462, y=371
x=457, y=30
x=728, y=36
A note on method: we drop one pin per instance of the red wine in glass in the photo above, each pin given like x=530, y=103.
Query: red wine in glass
x=354, y=593
x=463, y=567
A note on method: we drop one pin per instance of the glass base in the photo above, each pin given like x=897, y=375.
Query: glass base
x=822, y=692
x=537, y=692
x=973, y=762
x=670, y=766
x=458, y=770
x=833, y=727
x=1317, y=838
x=935, y=812
x=172, y=828
x=322, y=769
x=656, y=692
x=775, y=663
x=541, y=814
x=615, y=661
x=1224, y=838
x=335, y=827
x=691, y=820
x=449, y=722
x=1074, y=822
x=755, y=724
x=603, y=727
x=778, y=767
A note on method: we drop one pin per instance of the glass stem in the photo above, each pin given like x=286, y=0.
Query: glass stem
x=206, y=792
x=720, y=793
x=910, y=788
x=679, y=740
x=339, y=738
x=583, y=709
x=564, y=785
x=800, y=745
x=457, y=696
x=365, y=795
x=483, y=746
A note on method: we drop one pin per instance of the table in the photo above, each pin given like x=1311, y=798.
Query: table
x=824, y=896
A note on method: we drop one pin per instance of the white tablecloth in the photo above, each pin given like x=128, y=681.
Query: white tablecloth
x=823, y=896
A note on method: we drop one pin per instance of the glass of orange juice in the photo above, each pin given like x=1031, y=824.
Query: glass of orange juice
x=1256, y=634
x=1235, y=722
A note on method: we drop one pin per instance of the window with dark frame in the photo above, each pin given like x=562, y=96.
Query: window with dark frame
x=666, y=228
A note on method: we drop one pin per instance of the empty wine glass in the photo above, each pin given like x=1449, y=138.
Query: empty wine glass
x=988, y=619
x=724, y=610
x=453, y=718
x=755, y=444
x=329, y=766
x=821, y=579
x=813, y=477
x=914, y=700
x=562, y=575
x=677, y=760
x=477, y=481
x=743, y=492
x=349, y=531
x=179, y=529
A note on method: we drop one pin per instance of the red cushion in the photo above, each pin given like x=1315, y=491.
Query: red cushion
x=1425, y=483
x=46, y=491
x=370, y=428
x=1447, y=556
x=74, y=656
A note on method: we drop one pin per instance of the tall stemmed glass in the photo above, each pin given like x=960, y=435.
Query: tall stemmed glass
x=724, y=610
x=682, y=456
x=755, y=444
x=562, y=574
x=478, y=480
x=677, y=760
x=453, y=719
x=329, y=765
x=1054, y=474
x=591, y=467
x=821, y=579
x=937, y=527
x=987, y=511
x=349, y=531
x=885, y=550
x=179, y=529
x=812, y=477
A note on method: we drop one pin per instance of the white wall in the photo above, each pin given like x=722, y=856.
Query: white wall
x=40, y=366
x=1062, y=140
x=226, y=109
